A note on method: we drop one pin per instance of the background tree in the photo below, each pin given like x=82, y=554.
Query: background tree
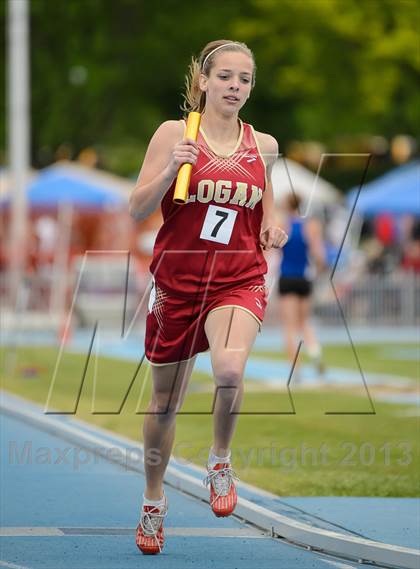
x=104, y=73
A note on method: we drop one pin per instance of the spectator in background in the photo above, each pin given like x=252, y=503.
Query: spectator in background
x=388, y=239
x=46, y=230
x=303, y=250
x=411, y=250
x=385, y=230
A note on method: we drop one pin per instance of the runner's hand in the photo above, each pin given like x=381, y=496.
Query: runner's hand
x=273, y=237
x=184, y=152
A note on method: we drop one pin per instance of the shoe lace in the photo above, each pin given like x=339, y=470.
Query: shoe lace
x=151, y=522
x=221, y=480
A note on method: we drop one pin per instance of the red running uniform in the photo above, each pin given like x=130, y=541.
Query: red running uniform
x=212, y=242
x=208, y=249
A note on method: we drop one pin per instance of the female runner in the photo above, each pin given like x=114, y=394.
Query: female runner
x=208, y=266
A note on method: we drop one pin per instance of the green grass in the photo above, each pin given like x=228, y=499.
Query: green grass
x=373, y=358
x=304, y=452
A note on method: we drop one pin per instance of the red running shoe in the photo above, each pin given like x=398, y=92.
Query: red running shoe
x=149, y=534
x=223, y=497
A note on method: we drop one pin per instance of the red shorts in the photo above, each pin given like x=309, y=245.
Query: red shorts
x=175, y=325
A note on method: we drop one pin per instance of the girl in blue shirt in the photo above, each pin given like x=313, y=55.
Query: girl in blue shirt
x=302, y=257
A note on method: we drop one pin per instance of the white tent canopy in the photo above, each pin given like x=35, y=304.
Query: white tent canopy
x=289, y=176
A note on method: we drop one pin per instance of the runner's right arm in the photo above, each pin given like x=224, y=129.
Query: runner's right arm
x=165, y=154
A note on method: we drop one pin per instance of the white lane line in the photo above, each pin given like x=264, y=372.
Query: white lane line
x=12, y=565
x=338, y=564
x=29, y=531
x=243, y=533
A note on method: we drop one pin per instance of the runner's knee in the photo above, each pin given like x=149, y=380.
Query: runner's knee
x=228, y=373
x=165, y=406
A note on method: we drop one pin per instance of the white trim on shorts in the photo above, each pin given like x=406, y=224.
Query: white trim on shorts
x=237, y=306
x=178, y=362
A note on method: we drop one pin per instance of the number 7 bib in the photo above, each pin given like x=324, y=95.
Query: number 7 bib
x=218, y=224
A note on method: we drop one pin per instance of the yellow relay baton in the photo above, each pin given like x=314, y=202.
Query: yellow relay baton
x=184, y=173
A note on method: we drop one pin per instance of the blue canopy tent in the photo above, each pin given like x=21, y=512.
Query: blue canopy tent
x=62, y=184
x=397, y=192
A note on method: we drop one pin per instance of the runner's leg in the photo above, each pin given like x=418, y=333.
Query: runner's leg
x=289, y=313
x=170, y=383
x=231, y=333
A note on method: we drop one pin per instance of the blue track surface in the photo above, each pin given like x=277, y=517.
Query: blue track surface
x=391, y=520
x=102, y=497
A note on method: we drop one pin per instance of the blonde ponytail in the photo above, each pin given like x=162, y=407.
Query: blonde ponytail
x=194, y=97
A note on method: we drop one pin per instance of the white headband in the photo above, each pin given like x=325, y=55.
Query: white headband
x=213, y=50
